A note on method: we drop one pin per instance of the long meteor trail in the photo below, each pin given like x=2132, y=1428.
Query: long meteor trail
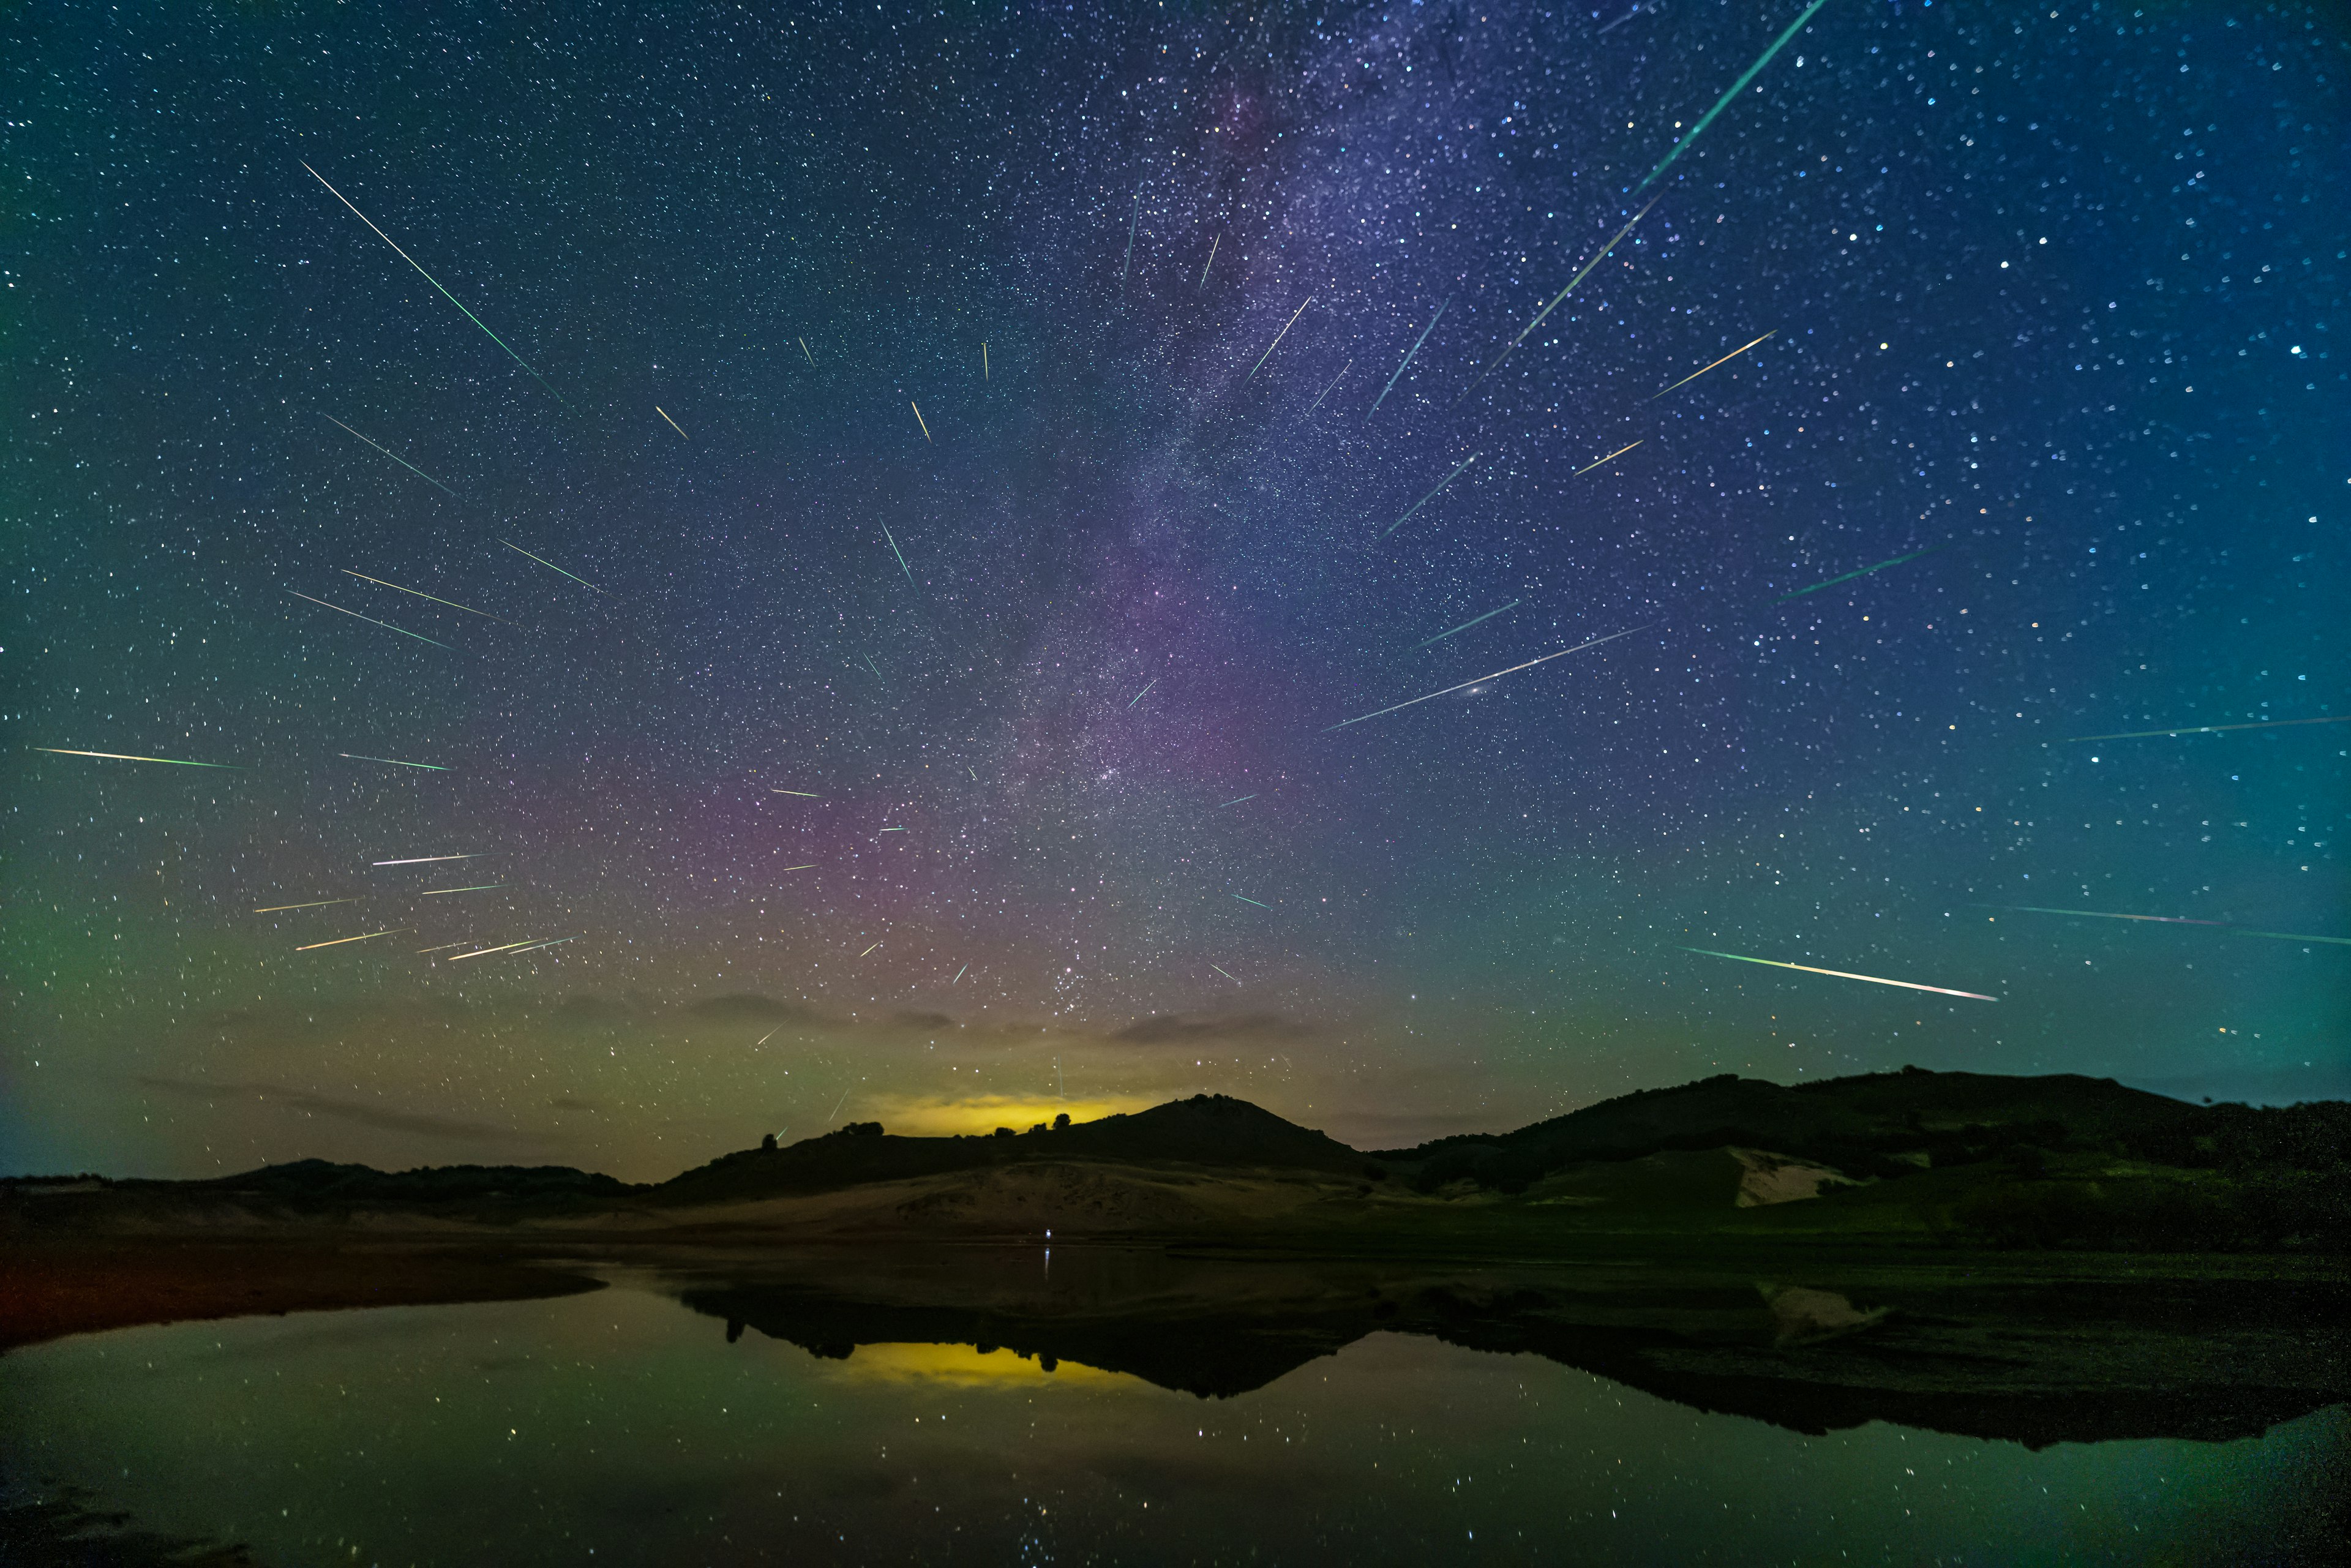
x=1865, y=571
x=551, y=566
x=421, y=860
x=1498, y=674
x=394, y=761
x=1133, y=219
x=1842, y=975
x=1146, y=688
x=1441, y=636
x=1432, y=495
x=126, y=757
x=370, y=619
x=1326, y=391
x=1417, y=342
x=1277, y=337
x=2176, y=920
x=1702, y=369
x=1547, y=310
x=428, y=277
x=395, y=456
x=2200, y=729
x=1722, y=102
x=673, y=423
x=452, y=603
x=321, y=903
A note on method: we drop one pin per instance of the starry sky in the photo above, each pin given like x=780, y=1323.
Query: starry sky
x=906, y=495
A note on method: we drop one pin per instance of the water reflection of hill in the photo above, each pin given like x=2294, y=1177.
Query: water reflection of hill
x=2035, y=1359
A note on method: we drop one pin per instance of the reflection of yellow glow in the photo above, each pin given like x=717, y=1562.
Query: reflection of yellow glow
x=963, y=1367
x=983, y=1114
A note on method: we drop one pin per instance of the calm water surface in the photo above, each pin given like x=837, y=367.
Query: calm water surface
x=621, y=1427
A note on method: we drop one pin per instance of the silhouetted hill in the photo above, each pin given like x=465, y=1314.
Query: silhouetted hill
x=1873, y=1123
x=1210, y=1130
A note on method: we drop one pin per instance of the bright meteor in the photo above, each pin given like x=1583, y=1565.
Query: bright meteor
x=1441, y=636
x=1498, y=674
x=126, y=757
x=1432, y=495
x=1842, y=975
x=2209, y=729
x=1723, y=102
x=1618, y=452
x=551, y=566
x=394, y=761
x=1417, y=342
x=428, y=277
x=395, y=456
x=370, y=619
x=1865, y=571
x=1703, y=369
x=369, y=937
x=452, y=603
x=1277, y=337
x=673, y=423
x=1547, y=310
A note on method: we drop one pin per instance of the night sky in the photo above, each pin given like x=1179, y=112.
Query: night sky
x=1052, y=817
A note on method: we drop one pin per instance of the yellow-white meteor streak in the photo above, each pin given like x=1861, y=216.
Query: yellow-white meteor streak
x=483, y=952
x=1842, y=975
x=126, y=757
x=320, y=905
x=1695, y=374
x=421, y=860
x=1618, y=452
x=369, y=936
x=673, y=423
x=919, y=418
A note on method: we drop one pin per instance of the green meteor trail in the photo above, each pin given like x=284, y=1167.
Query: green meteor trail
x=1253, y=901
x=394, y=761
x=428, y=277
x=395, y=456
x=1441, y=636
x=1238, y=801
x=1881, y=566
x=2208, y=729
x=321, y=903
x=478, y=887
x=370, y=619
x=1417, y=342
x=1277, y=337
x=1227, y=973
x=959, y=974
x=1498, y=674
x=1777, y=45
x=804, y=794
x=1145, y=691
x=1432, y=495
x=896, y=551
x=126, y=757
x=551, y=566
x=1842, y=975
x=1547, y=310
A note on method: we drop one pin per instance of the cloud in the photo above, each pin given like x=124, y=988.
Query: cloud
x=749, y=1007
x=1176, y=1028
x=376, y=1117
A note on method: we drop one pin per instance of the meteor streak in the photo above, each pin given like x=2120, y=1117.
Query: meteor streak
x=452, y=603
x=1211, y=261
x=395, y=456
x=804, y=794
x=395, y=762
x=960, y=973
x=421, y=860
x=484, y=952
x=1236, y=803
x=478, y=887
x=983, y=361
x=1326, y=391
x=1147, y=690
x=1417, y=342
x=370, y=619
x=428, y=277
x=1547, y=310
x=535, y=947
x=550, y=565
x=369, y=937
x=1432, y=495
x=126, y=757
x=2200, y=729
x=894, y=541
x=1695, y=374
x=1618, y=452
x=1133, y=218
x=673, y=423
x=1840, y=974
x=2175, y=920
x=1498, y=674
x=918, y=418
x=1277, y=337
x=320, y=905
x=1721, y=102
x=1253, y=901
x=1865, y=571
x=804, y=350
x=809, y=866
x=869, y=949
x=1227, y=973
x=1441, y=636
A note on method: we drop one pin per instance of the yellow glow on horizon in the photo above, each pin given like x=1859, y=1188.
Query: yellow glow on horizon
x=963, y=1367
x=982, y=1114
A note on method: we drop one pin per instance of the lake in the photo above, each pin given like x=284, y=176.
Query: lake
x=1000, y=1406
